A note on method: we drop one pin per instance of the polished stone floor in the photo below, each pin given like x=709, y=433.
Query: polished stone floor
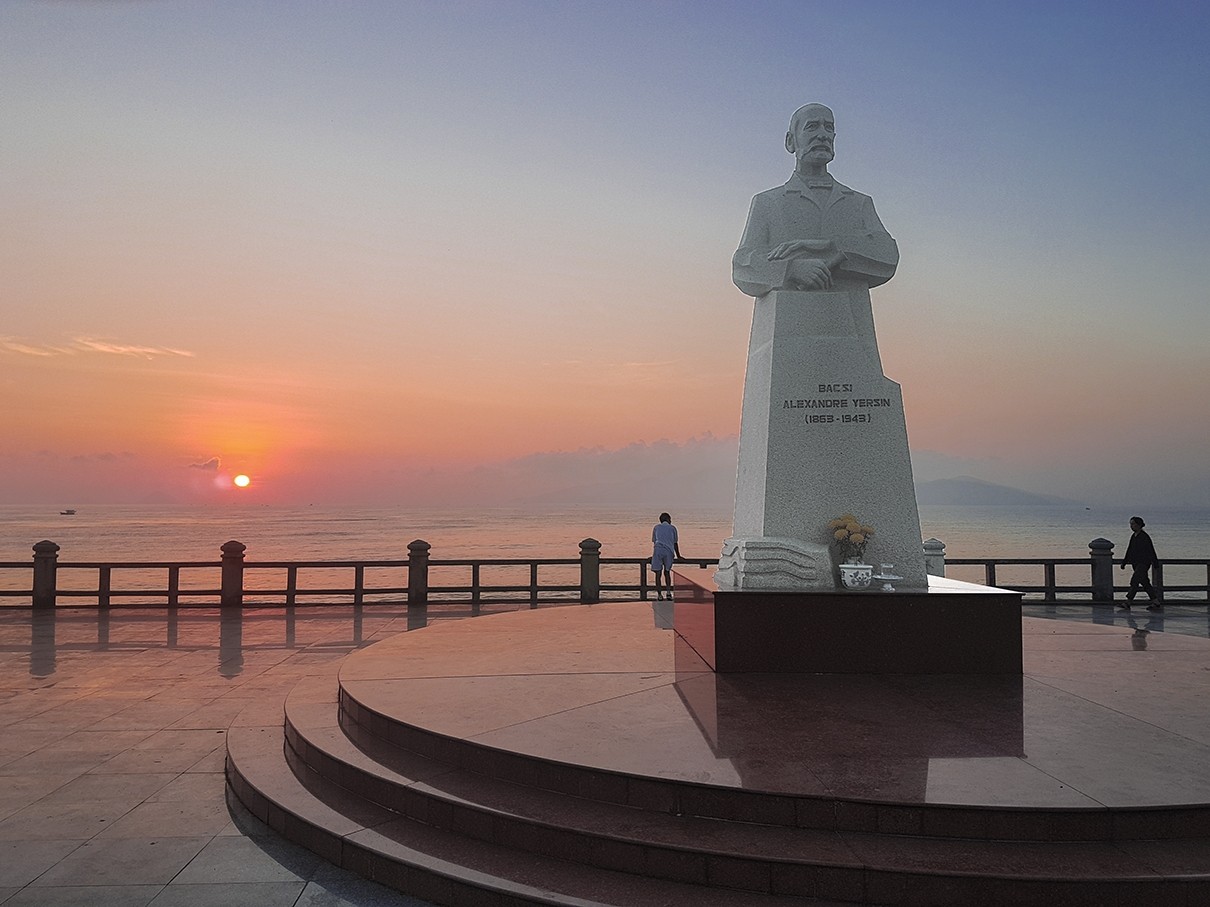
x=1109, y=712
x=1187, y=620
x=112, y=730
x=113, y=727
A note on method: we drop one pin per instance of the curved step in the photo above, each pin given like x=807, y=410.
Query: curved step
x=689, y=849
x=854, y=867
x=821, y=812
x=430, y=863
x=526, y=762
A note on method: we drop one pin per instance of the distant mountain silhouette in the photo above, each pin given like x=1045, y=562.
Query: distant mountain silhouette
x=969, y=490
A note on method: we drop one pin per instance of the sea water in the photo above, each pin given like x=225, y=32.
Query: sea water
x=284, y=533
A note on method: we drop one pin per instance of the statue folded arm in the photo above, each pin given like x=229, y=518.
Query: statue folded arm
x=763, y=261
x=751, y=268
x=871, y=254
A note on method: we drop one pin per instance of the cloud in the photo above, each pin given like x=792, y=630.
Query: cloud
x=105, y=457
x=119, y=349
x=210, y=465
x=16, y=345
x=700, y=471
x=87, y=345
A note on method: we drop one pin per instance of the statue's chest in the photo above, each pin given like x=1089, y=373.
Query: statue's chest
x=799, y=217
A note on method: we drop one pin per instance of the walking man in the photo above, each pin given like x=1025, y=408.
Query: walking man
x=665, y=547
x=1140, y=555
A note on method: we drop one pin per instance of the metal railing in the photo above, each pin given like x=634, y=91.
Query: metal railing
x=1052, y=591
x=418, y=579
x=415, y=580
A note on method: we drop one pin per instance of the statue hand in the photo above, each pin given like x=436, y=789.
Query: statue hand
x=808, y=274
x=797, y=247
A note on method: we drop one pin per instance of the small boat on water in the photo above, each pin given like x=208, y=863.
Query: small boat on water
x=67, y=513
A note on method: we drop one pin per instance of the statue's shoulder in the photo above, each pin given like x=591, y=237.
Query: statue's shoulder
x=849, y=190
x=770, y=194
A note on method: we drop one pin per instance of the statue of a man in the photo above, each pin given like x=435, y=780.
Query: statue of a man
x=813, y=233
x=822, y=431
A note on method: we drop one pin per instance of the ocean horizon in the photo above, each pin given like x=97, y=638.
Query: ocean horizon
x=173, y=532
x=320, y=533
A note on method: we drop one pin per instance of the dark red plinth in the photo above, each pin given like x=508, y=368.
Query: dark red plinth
x=951, y=628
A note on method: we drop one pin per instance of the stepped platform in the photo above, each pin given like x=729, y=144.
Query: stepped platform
x=586, y=756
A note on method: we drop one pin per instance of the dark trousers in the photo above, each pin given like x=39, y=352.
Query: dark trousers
x=1139, y=578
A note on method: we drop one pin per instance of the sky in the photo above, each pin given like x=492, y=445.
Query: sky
x=460, y=252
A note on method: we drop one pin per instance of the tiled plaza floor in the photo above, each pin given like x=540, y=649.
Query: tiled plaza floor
x=112, y=730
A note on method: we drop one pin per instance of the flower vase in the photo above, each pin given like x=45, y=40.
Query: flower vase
x=855, y=575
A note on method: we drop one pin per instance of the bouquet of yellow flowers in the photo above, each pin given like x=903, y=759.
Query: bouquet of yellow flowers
x=851, y=535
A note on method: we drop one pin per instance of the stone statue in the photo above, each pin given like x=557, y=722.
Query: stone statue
x=813, y=233
x=822, y=432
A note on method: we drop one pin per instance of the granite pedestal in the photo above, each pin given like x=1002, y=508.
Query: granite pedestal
x=951, y=627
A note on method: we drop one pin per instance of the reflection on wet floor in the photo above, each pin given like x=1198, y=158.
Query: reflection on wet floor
x=1187, y=620
x=54, y=631
x=65, y=629
x=113, y=730
x=838, y=726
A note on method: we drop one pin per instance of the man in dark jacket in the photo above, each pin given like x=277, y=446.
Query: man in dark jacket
x=1140, y=555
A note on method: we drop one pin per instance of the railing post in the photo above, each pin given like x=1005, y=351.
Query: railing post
x=103, y=586
x=232, y=594
x=1157, y=580
x=590, y=571
x=934, y=557
x=1101, y=552
x=533, y=585
x=989, y=573
x=418, y=584
x=46, y=566
x=1048, y=580
x=476, y=592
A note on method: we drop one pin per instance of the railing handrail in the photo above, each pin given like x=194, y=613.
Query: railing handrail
x=134, y=565
x=417, y=588
x=1017, y=561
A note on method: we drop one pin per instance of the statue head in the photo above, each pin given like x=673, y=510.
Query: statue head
x=812, y=135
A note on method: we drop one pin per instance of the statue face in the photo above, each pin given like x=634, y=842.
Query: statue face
x=814, y=135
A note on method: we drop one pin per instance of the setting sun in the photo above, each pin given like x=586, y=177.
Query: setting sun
x=242, y=481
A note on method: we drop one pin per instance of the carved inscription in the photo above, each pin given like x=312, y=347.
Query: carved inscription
x=841, y=407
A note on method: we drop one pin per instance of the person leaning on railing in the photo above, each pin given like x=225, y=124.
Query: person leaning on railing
x=665, y=545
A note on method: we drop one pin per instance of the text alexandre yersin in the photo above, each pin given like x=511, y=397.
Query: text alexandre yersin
x=829, y=403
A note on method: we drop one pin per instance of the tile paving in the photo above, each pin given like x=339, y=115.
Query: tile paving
x=112, y=740
x=111, y=756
